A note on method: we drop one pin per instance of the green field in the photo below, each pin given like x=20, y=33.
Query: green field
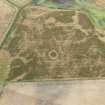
x=51, y=41
x=47, y=44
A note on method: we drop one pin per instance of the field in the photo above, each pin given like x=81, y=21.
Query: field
x=55, y=93
x=52, y=44
x=49, y=44
x=20, y=3
x=8, y=12
x=4, y=66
